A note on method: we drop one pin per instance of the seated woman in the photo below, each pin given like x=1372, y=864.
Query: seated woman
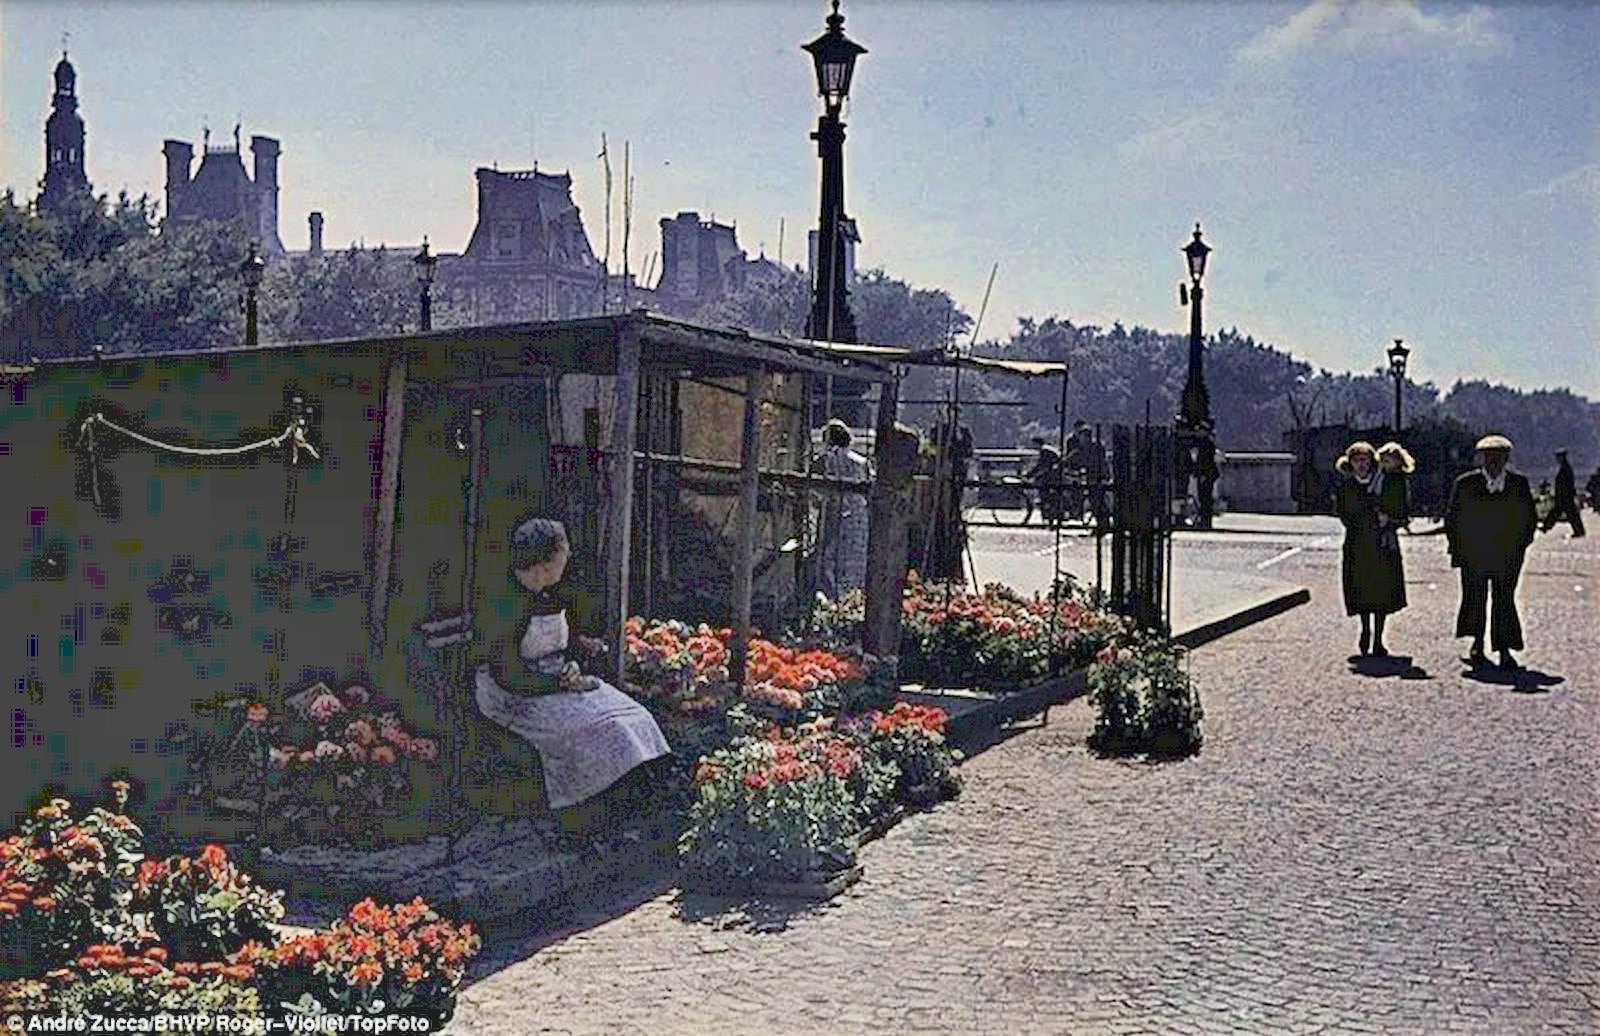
x=589, y=735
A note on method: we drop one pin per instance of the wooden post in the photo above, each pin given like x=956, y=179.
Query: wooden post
x=895, y=456
x=744, y=549
x=619, y=512
x=394, y=415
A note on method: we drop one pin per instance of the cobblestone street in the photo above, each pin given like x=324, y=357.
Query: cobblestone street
x=1402, y=852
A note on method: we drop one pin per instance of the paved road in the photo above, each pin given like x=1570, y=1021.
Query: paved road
x=1416, y=852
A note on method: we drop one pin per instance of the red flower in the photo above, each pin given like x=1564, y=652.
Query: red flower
x=213, y=857
x=755, y=779
x=44, y=904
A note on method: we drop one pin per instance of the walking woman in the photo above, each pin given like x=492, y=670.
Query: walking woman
x=1374, y=580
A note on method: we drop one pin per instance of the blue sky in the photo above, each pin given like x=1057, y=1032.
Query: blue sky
x=1364, y=170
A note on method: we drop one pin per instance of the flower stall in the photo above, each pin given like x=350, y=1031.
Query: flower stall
x=205, y=530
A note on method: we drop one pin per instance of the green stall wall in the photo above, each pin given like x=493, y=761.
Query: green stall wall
x=100, y=673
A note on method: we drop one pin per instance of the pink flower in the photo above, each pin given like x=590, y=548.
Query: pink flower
x=382, y=755
x=328, y=750
x=357, y=694
x=424, y=749
x=325, y=707
x=282, y=757
x=308, y=757
x=356, y=752
x=361, y=731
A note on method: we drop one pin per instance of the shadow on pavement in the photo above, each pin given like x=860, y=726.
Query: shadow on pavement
x=1388, y=666
x=503, y=947
x=1523, y=681
x=743, y=913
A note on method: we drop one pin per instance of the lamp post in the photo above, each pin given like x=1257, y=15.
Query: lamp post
x=250, y=271
x=1398, y=355
x=834, y=55
x=1194, y=431
x=1195, y=410
x=425, y=264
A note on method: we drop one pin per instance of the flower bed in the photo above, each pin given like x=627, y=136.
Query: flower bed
x=331, y=764
x=1144, y=700
x=90, y=926
x=790, y=804
x=994, y=640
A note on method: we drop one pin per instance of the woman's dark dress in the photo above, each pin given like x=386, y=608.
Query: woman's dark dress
x=1374, y=576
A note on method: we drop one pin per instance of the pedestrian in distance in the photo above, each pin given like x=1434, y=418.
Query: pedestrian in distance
x=1566, y=494
x=1489, y=524
x=1594, y=490
x=1373, y=578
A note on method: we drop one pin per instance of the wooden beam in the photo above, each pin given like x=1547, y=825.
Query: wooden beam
x=755, y=384
x=394, y=416
x=619, y=512
x=887, y=537
x=752, y=352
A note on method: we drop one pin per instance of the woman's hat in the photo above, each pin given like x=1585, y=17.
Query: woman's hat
x=1393, y=449
x=1343, y=466
x=1494, y=442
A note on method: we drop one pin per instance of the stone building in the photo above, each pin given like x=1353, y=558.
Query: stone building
x=64, y=179
x=220, y=189
x=529, y=257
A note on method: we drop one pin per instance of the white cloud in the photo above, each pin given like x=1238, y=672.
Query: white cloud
x=1582, y=182
x=1387, y=26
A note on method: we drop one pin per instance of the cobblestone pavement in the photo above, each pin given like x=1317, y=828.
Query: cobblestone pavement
x=1414, y=853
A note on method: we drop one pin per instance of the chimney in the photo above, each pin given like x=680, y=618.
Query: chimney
x=180, y=156
x=316, y=235
x=264, y=152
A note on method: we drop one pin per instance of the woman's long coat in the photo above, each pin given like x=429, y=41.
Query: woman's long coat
x=1374, y=575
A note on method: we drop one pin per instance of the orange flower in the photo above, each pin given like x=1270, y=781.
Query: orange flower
x=44, y=904
x=383, y=755
x=213, y=856
x=8, y=908
x=367, y=973
x=239, y=972
x=413, y=972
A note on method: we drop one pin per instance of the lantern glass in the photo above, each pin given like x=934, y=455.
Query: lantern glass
x=1398, y=355
x=425, y=263
x=834, y=55
x=252, y=269
x=1196, y=252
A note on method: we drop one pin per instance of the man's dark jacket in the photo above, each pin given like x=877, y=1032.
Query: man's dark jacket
x=1566, y=485
x=1489, y=531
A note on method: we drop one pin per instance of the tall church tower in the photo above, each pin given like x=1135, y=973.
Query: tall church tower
x=64, y=179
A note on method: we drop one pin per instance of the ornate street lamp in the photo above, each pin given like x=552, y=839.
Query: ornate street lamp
x=251, y=271
x=1398, y=354
x=425, y=264
x=1195, y=411
x=1194, y=429
x=834, y=55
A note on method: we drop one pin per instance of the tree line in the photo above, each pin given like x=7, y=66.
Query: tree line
x=109, y=273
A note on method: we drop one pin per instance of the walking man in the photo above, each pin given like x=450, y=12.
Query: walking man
x=1566, y=507
x=1489, y=524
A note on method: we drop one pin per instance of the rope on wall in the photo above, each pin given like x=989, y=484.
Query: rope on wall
x=294, y=435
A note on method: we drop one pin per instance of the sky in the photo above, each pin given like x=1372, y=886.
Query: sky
x=1364, y=170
